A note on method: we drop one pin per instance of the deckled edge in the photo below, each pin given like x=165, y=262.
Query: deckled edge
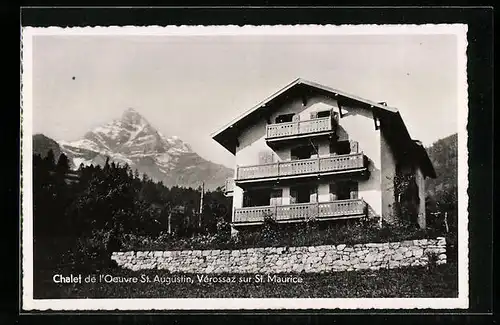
x=30, y=304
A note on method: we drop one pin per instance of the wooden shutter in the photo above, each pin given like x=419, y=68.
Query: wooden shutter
x=333, y=192
x=293, y=196
x=246, y=199
x=265, y=157
x=276, y=197
x=313, y=195
x=354, y=146
x=354, y=191
x=313, y=115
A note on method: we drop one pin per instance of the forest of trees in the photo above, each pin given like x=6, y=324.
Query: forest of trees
x=442, y=192
x=108, y=203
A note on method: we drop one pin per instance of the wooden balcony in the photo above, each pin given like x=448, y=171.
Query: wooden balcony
x=301, y=168
x=280, y=132
x=341, y=209
x=229, y=187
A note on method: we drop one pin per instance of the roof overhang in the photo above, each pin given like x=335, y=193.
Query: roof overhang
x=424, y=161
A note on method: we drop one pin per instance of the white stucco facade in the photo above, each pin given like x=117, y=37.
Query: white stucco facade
x=355, y=124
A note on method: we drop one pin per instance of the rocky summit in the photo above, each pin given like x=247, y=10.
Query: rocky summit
x=132, y=140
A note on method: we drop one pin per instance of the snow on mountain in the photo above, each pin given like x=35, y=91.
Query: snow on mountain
x=132, y=140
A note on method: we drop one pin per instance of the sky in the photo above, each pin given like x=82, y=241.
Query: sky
x=191, y=86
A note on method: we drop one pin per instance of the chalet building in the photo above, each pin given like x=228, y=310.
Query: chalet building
x=312, y=152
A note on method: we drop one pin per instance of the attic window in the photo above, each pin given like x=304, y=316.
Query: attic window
x=321, y=114
x=283, y=118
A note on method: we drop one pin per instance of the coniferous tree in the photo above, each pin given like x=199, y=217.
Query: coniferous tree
x=62, y=166
x=50, y=160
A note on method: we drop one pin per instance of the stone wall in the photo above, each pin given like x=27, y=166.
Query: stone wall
x=314, y=259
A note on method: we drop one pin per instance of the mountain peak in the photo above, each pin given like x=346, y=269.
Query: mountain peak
x=130, y=115
x=131, y=139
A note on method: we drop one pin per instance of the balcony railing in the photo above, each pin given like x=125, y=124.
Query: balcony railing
x=302, y=211
x=302, y=167
x=289, y=129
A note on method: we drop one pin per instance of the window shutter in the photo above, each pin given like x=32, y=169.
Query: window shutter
x=333, y=192
x=246, y=200
x=276, y=197
x=293, y=196
x=265, y=157
x=354, y=191
x=314, y=115
x=313, y=195
x=354, y=146
x=296, y=118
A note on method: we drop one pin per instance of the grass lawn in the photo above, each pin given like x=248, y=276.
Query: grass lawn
x=412, y=282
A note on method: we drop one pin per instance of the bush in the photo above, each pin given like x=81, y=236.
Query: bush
x=273, y=234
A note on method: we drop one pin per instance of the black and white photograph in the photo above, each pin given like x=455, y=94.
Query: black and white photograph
x=253, y=167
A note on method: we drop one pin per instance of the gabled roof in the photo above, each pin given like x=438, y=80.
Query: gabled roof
x=296, y=82
x=227, y=135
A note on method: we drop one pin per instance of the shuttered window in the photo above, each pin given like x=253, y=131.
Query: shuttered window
x=344, y=190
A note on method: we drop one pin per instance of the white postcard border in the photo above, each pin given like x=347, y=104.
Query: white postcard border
x=30, y=304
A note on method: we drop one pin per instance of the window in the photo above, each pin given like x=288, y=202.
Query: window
x=303, y=194
x=283, y=118
x=253, y=198
x=343, y=190
x=340, y=148
x=324, y=114
x=302, y=152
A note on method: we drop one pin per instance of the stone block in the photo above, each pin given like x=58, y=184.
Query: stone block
x=418, y=252
x=397, y=257
x=370, y=257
